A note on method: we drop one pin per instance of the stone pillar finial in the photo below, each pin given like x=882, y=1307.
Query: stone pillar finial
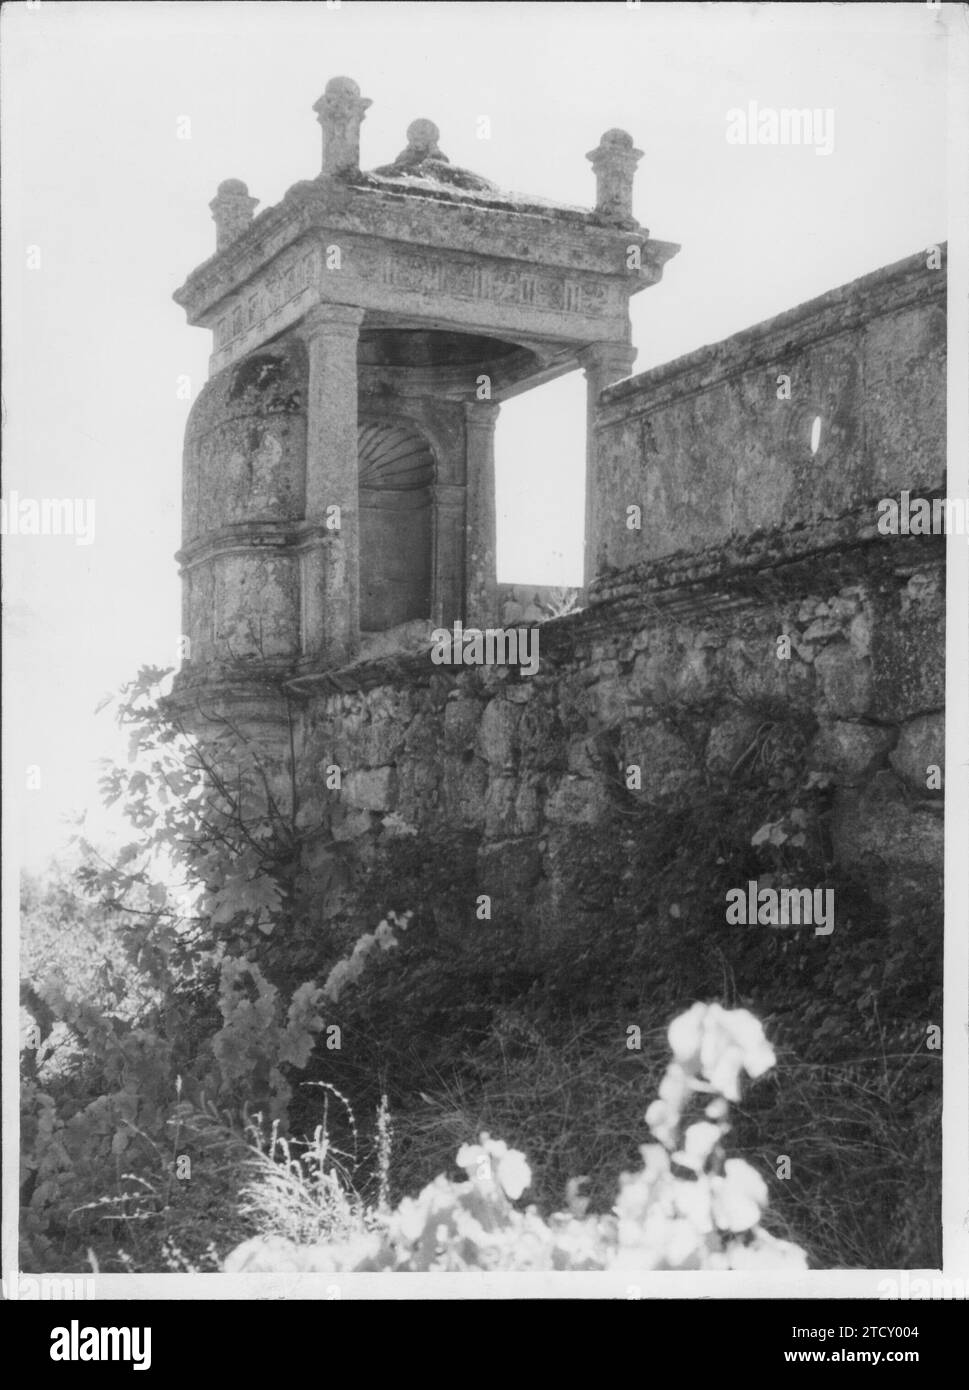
x=614, y=165
x=340, y=111
x=422, y=138
x=232, y=210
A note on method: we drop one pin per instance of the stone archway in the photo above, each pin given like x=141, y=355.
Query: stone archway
x=396, y=478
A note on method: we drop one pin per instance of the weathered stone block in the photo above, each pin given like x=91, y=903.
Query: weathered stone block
x=255, y=606
x=528, y=807
x=849, y=751
x=908, y=650
x=417, y=788
x=859, y=634
x=824, y=627
x=667, y=762
x=423, y=733
x=492, y=678
x=576, y=800
x=611, y=699
x=521, y=694
x=896, y=845
x=496, y=735
x=351, y=825
x=729, y=739
x=382, y=736
x=462, y=718
x=674, y=667
x=500, y=815
x=541, y=737
x=846, y=681
x=464, y=785
x=921, y=744
x=578, y=759
x=754, y=672
x=371, y=789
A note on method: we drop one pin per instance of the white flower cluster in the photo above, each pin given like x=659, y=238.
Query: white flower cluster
x=708, y=1220
x=493, y=1161
x=348, y=970
x=711, y=1046
x=688, y=1208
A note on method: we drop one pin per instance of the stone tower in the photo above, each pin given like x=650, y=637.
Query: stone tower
x=339, y=462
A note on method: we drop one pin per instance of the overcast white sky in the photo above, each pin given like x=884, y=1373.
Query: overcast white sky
x=96, y=177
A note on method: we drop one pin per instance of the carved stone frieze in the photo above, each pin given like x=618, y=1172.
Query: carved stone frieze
x=375, y=275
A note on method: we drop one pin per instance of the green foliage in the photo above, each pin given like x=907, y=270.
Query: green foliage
x=562, y=602
x=303, y=1191
x=258, y=1037
x=177, y=989
x=217, y=845
x=155, y=1015
x=349, y=968
x=102, y=1138
x=68, y=937
x=469, y=1028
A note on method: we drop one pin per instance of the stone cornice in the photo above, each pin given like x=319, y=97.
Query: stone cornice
x=230, y=691
x=580, y=243
x=836, y=550
x=771, y=343
x=469, y=293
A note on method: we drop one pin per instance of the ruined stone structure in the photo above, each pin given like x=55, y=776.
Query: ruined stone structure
x=339, y=502
x=339, y=472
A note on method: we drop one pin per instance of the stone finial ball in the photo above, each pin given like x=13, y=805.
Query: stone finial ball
x=620, y=139
x=422, y=135
x=342, y=87
x=233, y=186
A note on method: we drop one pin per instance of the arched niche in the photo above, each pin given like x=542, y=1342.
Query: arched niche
x=396, y=478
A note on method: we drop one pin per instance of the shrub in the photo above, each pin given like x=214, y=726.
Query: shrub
x=689, y=1207
x=154, y=1011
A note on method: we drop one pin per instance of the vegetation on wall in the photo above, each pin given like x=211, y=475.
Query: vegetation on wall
x=688, y=1206
x=190, y=1022
x=472, y=1028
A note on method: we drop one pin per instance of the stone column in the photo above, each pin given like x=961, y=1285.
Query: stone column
x=330, y=557
x=450, y=547
x=481, y=587
x=603, y=363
